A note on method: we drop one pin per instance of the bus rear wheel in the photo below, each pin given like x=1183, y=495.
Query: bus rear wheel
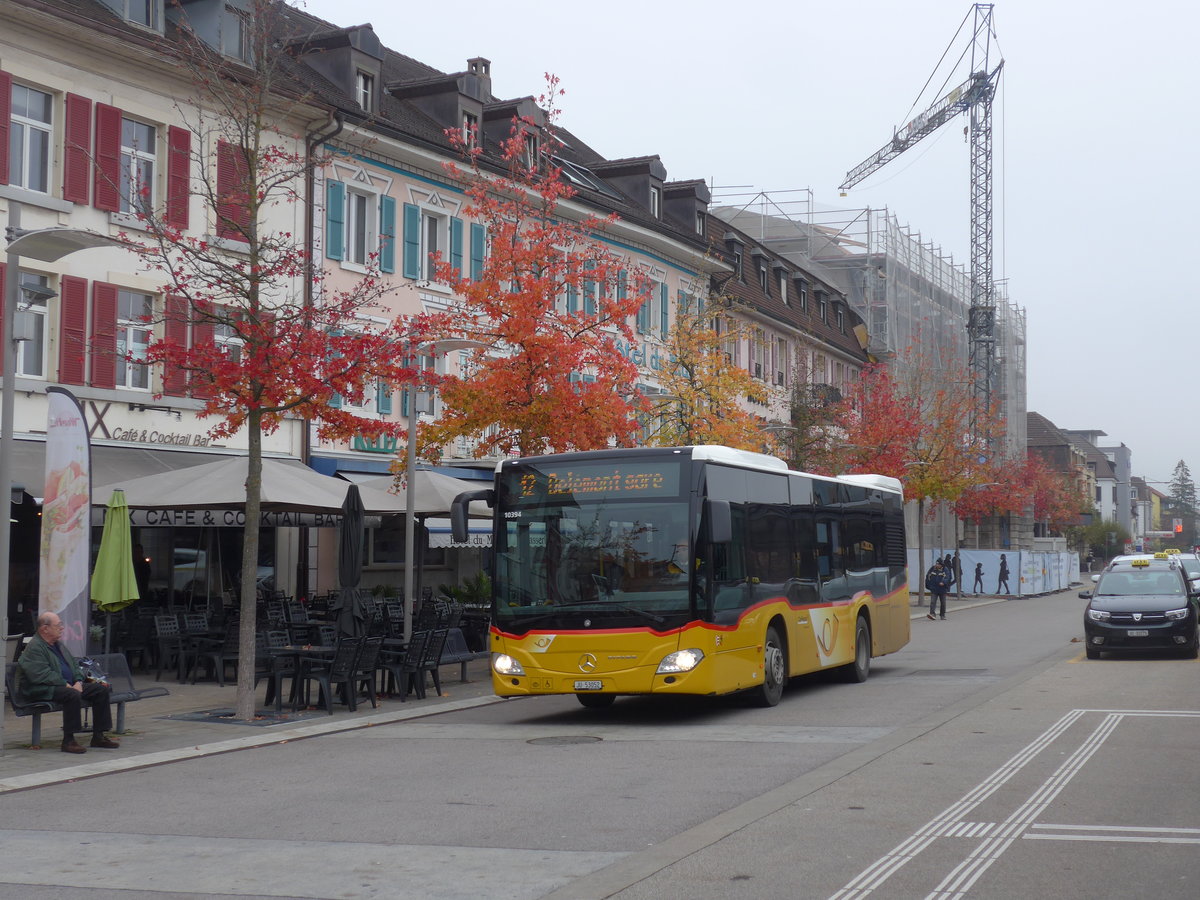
x=596, y=701
x=857, y=671
x=774, y=670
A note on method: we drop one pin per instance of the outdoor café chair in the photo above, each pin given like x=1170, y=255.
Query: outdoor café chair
x=365, y=666
x=431, y=660
x=402, y=666
x=339, y=671
x=169, y=642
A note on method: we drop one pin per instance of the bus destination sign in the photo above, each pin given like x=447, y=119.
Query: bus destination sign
x=595, y=482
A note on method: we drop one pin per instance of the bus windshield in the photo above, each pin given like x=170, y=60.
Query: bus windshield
x=592, y=545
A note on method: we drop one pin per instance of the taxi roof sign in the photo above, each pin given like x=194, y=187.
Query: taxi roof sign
x=1139, y=563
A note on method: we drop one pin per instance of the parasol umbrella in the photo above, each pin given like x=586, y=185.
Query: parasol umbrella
x=350, y=559
x=114, y=582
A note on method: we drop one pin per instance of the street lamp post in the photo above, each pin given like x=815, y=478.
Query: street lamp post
x=445, y=345
x=49, y=245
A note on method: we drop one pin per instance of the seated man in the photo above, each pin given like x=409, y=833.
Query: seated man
x=48, y=671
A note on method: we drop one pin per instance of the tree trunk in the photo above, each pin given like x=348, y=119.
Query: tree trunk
x=249, y=602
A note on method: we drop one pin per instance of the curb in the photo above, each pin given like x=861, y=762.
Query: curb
x=163, y=757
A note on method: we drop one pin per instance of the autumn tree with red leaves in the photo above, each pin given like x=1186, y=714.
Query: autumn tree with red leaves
x=246, y=325
x=549, y=299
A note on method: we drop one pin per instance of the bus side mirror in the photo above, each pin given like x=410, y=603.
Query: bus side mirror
x=458, y=512
x=720, y=521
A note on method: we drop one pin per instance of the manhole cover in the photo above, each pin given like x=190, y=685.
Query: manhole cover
x=566, y=739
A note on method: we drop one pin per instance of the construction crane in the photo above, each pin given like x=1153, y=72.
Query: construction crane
x=973, y=97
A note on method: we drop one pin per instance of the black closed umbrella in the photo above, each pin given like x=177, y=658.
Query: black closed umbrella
x=350, y=561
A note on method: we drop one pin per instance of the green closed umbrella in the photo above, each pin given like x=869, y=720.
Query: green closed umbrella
x=114, y=582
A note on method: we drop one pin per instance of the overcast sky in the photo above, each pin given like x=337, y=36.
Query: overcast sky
x=1095, y=144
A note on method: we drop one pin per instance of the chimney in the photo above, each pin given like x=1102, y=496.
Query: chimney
x=482, y=69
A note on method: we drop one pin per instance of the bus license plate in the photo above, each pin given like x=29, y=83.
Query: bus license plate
x=589, y=685
x=1138, y=633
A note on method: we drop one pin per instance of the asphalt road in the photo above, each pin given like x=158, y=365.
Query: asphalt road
x=987, y=759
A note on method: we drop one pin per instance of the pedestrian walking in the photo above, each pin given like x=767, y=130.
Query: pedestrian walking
x=937, y=583
x=1003, y=582
x=948, y=568
x=978, y=578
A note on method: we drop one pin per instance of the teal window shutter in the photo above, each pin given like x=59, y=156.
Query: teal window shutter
x=699, y=305
x=664, y=312
x=383, y=398
x=412, y=241
x=336, y=400
x=478, y=243
x=572, y=298
x=387, y=234
x=589, y=289
x=456, y=245
x=335, y=220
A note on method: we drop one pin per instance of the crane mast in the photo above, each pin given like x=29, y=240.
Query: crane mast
x=974, y=97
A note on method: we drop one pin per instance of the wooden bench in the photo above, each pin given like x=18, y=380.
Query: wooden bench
x=457, y=651
x=119, y=678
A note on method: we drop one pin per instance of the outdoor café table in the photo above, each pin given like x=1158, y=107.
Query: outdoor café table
x=300, y=657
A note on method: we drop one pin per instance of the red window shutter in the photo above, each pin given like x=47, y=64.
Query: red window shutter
x=179, y=168
x=77, y=150
x=202, y=334
x=3, y=299
x=233, y=176
x=108, y=157
x=175, y=331
x=5, y=119
x=104, y=335
x=72, y=342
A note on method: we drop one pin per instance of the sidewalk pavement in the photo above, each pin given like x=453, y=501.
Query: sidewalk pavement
x=953, y=602
x=155, y=734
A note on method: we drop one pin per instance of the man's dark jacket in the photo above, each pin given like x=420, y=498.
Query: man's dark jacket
x=38, y=670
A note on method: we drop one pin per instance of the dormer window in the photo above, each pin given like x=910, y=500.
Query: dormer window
x=762, y=277
x=364, y=90
x=699, y=222
x=531, y=149
x=470, y=129
x=822, y=307
x=841, y=319
x=143, y=12
x=737, y=264
x=235, y=35
x=655, y=201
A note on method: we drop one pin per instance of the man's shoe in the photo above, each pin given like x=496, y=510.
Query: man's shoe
x=929, y=616
x=943, y=618
x=107, y=743
x=72, y=747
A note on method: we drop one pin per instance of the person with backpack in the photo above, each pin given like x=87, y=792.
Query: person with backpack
x=938, y=585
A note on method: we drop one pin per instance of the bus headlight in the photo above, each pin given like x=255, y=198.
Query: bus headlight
x=504, y=664
x=680, y=661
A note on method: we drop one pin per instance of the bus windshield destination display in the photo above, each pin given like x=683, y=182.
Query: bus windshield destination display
x=595, y=482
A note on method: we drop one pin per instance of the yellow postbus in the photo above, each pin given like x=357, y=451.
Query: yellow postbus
x=690, y=570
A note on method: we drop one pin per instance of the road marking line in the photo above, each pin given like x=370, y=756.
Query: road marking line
x=884, y=867
x=1138, y=828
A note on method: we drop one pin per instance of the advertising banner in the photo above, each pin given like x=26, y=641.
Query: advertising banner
x=66, y=519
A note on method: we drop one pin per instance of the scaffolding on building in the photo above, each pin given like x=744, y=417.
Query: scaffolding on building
x=910, y=294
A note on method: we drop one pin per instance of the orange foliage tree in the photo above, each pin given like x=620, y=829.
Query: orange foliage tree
x=702, y=388
x=550, y=299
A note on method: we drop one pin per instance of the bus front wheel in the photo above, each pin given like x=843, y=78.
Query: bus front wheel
x=596, y=701
x=857, y=671
x=774, y=670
